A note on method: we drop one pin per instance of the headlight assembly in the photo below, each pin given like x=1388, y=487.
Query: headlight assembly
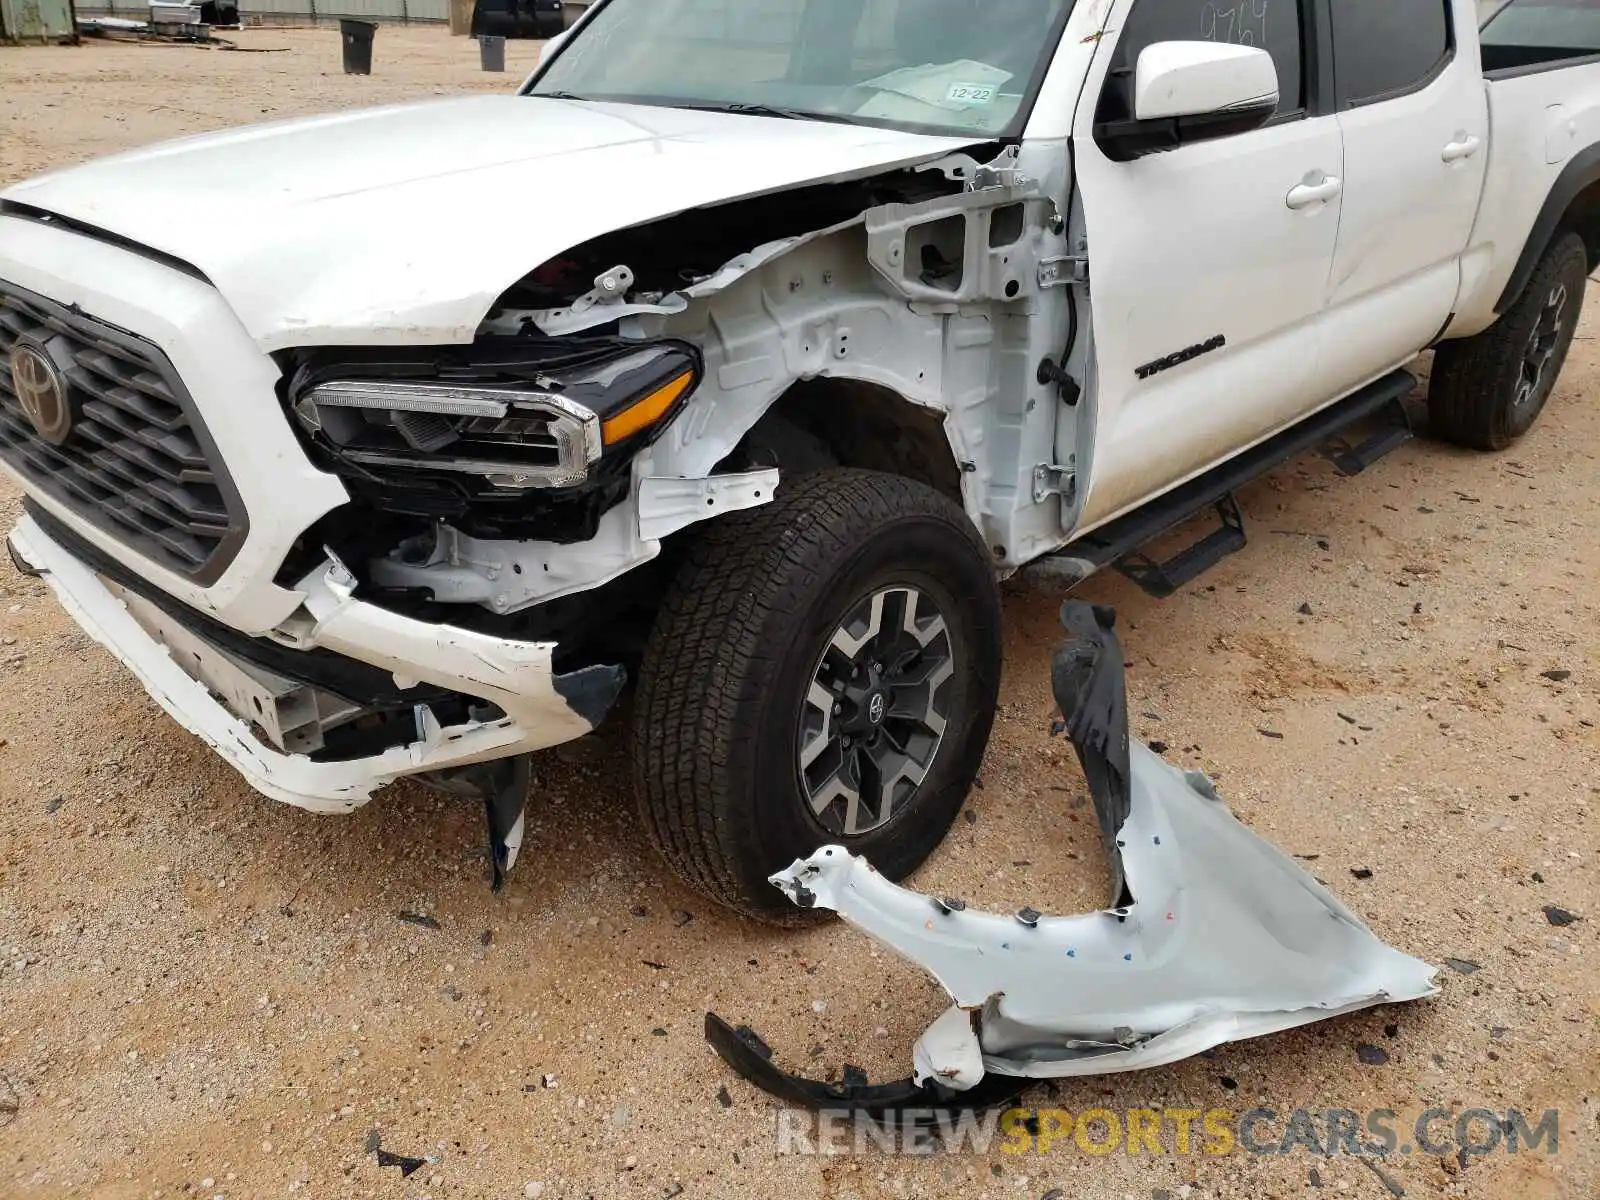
x=513, y=438
x=513, y=426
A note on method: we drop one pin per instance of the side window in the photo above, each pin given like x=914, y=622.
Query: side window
x=1383, y=48
x=1273, y=25
x=1527, y=33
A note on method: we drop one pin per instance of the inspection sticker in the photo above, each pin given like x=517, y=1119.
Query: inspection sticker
x=970, y=93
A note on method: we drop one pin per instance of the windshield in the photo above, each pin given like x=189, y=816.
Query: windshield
x=944, y=66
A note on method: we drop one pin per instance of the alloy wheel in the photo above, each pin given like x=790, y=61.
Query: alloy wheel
x=1541, y=346
x=875, y=713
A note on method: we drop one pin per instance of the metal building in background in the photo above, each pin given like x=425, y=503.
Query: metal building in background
x=306, y=12
x=287, y=12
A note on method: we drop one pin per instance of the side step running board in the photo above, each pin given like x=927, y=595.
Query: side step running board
x=1161, y=579
x=1118, y=543
x=1394, y=431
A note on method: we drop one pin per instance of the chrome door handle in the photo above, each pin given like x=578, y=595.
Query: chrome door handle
x=1314, y=192
x=1465, y=146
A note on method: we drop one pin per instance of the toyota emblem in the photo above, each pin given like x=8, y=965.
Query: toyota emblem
x=41, y=391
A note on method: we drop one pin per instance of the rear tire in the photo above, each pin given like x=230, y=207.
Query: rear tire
x=1488, y=390
x=766, y=700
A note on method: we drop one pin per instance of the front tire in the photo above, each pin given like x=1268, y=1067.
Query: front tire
x=822, y=670
x=1487, y=391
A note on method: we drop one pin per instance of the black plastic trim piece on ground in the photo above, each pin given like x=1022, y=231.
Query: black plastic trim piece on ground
x=23, y=566
x=901, y=1104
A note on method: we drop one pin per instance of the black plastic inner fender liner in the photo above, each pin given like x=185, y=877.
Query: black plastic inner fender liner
x=1086, y=676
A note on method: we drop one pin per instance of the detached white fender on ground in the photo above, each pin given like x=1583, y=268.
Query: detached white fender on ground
x=1216, y=935
x=1226, y=939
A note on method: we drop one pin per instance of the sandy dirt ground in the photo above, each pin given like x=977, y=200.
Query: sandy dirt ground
x=203, y=993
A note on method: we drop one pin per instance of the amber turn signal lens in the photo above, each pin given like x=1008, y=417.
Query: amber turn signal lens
x=645, y=411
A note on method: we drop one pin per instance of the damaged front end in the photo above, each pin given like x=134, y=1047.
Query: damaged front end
x=1215, y=935
x=508, y=438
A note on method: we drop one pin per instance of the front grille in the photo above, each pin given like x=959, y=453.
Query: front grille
x=137, y=460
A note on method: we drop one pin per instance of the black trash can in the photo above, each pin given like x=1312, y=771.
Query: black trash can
x=492, y=53
x=357, y=39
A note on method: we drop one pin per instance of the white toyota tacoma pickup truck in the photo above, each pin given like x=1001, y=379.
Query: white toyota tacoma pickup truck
x=786, y=329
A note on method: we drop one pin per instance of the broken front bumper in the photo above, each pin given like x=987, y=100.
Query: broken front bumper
x=536, y=707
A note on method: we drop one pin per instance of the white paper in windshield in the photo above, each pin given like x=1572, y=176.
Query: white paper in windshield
x=950, y=86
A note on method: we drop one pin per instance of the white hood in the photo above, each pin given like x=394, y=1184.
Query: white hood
x=404, y=224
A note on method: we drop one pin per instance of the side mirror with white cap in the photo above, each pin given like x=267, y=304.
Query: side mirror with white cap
x=1186, y=92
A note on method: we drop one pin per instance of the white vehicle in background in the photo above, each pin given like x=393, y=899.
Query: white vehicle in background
x=788, y=328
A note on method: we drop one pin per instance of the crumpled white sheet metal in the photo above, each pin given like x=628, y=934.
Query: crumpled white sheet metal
x=577, y=317
x=1226, y=938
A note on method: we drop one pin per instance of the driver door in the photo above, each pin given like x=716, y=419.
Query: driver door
x=1209, y=263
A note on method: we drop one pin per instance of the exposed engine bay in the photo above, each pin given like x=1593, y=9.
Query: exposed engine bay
x=510, y=483
x=667, y=255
